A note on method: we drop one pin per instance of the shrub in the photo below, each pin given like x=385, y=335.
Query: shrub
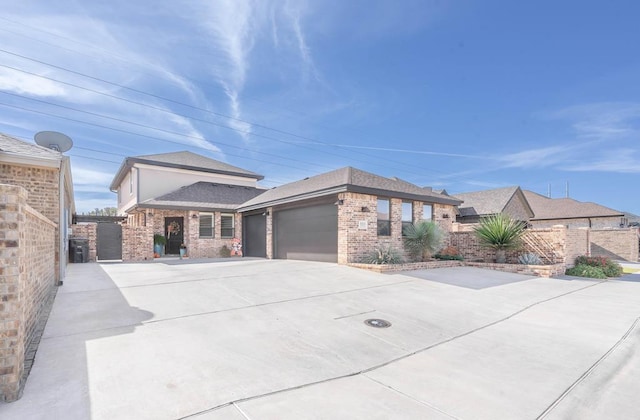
x=422, y=239
x=529, y=259
x=384, y=255
x=500, y=232
x=583, y=270
x=609, y=267
x=449, y=257
x=159, y=239
x=224, y=251
x=449, y=253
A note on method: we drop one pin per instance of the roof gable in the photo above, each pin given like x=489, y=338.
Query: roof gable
x=345, y=179
x=482, y=203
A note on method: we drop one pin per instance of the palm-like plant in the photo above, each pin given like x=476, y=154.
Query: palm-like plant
x=500, y=232
x=422, y=239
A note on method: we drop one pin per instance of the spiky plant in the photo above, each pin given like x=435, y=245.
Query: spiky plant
x=384, y=255
x=422, y=239
x=500, y=232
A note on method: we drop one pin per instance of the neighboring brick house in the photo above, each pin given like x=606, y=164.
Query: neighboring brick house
x=339, y=216
x=189, y=198
x=508, y=200
x=537, y=210
x=46, y=176
x=572, y=213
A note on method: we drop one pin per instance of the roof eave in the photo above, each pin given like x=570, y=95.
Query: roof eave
x=196, y=168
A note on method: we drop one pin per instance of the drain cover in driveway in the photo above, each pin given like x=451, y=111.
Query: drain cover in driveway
x=377, y=323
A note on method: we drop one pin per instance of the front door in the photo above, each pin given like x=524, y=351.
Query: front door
x=174, y=231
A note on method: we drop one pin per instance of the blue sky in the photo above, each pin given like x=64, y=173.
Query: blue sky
x=461, y=95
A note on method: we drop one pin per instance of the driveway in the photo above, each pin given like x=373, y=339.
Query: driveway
x=259, y=339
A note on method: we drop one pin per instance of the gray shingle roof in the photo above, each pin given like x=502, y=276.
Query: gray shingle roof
x=15, y=146
x=546, y=208
x=341, y=180
x=482, y=203
x=204, y=196
x=182, y=160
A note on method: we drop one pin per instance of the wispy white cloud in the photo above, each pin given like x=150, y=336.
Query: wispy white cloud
x=537, y=158
x=22, y=83
x=622, y=160
x=602, y=121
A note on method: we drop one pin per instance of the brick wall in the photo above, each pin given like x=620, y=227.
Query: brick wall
x=44, y=193
x=575, y=244
x=86, y=231
x=592, y=222
x=358, y=229
x=198, y=247
x=619, y=244
x=137, y=243
x=27, y=281
x=562, y=245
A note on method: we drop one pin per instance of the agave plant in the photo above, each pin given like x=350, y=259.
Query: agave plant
x=384, y=255
x=422, y=239
x=500, y=232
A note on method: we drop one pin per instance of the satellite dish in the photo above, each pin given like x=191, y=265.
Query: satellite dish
x=53, y=140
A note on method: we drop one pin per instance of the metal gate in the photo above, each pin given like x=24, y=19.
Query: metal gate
x=109, y=241
x=307, y=233
x=254, y=228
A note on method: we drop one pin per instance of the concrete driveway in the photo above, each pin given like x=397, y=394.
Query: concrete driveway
x=258, y=339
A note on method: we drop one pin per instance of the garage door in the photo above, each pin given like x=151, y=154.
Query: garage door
x=307, y=233
x=254, y=228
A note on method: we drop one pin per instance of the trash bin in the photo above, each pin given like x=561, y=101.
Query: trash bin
x=78, y=250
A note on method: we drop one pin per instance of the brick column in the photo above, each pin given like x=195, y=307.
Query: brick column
x=12, y=330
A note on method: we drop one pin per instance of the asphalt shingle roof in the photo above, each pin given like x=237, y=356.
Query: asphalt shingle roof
x=205, y=196
x=346, y=179
x=480, y=203
x=15, y=146
x=546, y=208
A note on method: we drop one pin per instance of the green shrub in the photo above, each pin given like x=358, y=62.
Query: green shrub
x=225, y=251
x=609, y=267
x=583, y=270
x=422, y=239
x=449, y=257
x=500, y=232
x=384, y=255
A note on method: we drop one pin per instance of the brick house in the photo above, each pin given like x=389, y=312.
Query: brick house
x=46, y=176
x=572, y=213
x=537, y=210
x=188, y=198
x=339, y=216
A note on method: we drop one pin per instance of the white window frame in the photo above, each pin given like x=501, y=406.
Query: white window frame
x=213, y=224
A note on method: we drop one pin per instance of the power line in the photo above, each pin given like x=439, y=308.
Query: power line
x=143, y=135
x=308, y=139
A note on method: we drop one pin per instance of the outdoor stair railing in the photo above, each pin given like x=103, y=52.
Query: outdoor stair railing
x=542, y=247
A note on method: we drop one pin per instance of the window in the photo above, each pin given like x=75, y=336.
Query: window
x=427, y=212
x=407, y=216
x=384, y=219
x=206, y=225
x=226, y=226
